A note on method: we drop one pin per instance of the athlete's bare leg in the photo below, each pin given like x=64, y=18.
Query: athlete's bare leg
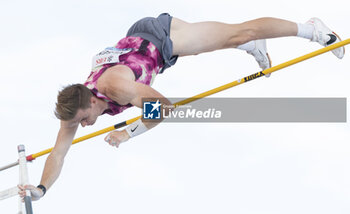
x=196, y=38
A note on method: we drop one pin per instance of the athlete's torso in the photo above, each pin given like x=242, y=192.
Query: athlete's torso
x=143, y=60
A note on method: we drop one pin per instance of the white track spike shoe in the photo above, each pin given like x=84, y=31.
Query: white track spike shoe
x=325, y=36
x=260, y=54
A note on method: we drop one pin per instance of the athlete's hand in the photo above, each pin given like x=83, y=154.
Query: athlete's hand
x=117, y=137
x=34, y=191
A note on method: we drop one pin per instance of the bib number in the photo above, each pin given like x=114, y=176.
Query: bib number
x=109, y=55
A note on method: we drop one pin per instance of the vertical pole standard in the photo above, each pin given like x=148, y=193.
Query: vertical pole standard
x=23, y=177
x=20, y=211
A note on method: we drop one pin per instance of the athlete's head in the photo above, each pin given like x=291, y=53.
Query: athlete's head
x=76, y=102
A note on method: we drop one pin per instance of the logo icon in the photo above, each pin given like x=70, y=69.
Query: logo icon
x=151, y=110
x=132, y=130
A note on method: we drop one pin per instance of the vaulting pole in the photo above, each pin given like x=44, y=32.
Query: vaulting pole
x=199, y=96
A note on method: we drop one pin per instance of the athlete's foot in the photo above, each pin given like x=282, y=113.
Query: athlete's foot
x=261, y=55
x=325, y=36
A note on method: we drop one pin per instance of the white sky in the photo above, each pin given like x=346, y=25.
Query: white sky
x=175, y=168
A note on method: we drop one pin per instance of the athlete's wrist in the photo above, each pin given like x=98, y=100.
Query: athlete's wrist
x=136, y=128
x=126, y=134
x=42, y=188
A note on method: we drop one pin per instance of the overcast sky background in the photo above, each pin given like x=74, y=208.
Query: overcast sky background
x=243, y=168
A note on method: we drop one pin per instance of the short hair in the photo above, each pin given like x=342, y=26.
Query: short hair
x=70, y=99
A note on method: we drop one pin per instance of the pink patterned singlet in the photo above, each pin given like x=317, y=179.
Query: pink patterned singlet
x=144, y=60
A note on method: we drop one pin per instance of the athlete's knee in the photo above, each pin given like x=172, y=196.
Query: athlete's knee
x=250, y=33
x=243, y=34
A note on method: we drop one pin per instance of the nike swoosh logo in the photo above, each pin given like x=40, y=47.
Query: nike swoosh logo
x=332, y=39
x=132, y=130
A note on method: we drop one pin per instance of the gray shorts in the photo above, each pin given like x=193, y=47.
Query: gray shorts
x=157, y=31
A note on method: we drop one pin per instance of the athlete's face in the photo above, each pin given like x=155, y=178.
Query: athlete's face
x=88, y=117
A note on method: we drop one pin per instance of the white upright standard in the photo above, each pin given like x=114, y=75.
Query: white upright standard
x=23, y=180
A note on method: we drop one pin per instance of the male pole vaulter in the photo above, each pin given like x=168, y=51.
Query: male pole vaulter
x=123, y=74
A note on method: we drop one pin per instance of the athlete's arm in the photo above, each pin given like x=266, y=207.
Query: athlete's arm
x=124, y=91
x=54, y=161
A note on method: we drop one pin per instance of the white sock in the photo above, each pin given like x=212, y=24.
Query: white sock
x=249, y=46
x=305, y=31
